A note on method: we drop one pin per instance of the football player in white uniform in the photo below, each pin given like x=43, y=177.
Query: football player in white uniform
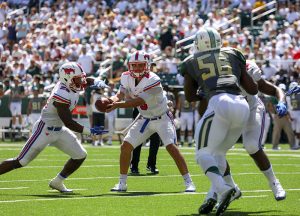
x=55, y=126
x=144, y=91
x=186, y=110
x=294, y=110
x=254, y=129
x=252, y=137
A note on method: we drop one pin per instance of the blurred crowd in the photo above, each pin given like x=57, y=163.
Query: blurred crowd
x=36, y=40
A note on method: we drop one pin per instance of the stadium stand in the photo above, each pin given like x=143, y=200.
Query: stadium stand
x=35, y=38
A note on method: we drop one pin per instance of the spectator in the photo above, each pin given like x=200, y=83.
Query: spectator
x=86, y=61
x=33, y=68
x=12, y=33
x=3, y=34
x=268, y=70
x=98, y=117
x=111, y=115
x=16, y=94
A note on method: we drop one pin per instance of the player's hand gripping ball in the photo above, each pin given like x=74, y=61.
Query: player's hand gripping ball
x=101, y=104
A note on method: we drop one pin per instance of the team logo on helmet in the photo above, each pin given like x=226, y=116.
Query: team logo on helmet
x=69, y=70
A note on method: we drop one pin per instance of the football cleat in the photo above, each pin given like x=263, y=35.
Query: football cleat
x=237, y=195
x=119, y=188
x=59, y=185
x=190, y=187
x=153, y=170
x=134, y=171
x=278, y=191
x=207, y=206
x=225, y=201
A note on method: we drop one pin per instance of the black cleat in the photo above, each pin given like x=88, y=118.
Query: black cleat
x=225, y=201
x=207, y=206
x=134, y=171
x=153, y=170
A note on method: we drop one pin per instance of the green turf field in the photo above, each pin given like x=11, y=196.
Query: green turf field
x=25, y=191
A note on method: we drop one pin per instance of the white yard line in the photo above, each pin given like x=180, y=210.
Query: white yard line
x=15, y=188
x=144, y=176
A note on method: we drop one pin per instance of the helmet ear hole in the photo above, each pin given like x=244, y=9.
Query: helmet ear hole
x=66, y=80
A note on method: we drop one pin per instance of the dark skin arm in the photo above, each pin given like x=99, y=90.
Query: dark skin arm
x=247, y=82
x=268, y=88
x=90, y=81
x=66, y=116
x=190, y=88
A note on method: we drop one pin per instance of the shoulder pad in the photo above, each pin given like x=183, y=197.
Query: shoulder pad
x=235, y=52
x=188, y=58
x=182, y=65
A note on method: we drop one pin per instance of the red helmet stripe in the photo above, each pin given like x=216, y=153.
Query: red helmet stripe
x=137, y=56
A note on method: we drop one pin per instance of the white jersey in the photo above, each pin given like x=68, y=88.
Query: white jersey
x=254, y=71
x=156, y=101
x=61, y=94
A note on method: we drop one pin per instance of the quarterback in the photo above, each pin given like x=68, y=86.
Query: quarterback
x=144, y=90
x=55, y=126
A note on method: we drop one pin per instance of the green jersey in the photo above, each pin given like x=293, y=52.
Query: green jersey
x=295, y=102
x=37, y=104
x=216, y=71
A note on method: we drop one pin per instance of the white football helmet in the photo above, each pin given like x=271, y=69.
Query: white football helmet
x=207, y=39
x=139, y=64
x=292, y=85
x=72, y=75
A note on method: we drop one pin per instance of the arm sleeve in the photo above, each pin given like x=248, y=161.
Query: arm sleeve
x=61, y=95
x=123, y=83
x=253, y=70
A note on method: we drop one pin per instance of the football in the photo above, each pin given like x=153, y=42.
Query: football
x=101, y=104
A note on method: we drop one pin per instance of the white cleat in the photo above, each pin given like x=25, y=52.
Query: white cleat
x=119, y=188
x=237, y=194
x=190, y=187
x=278, y=191
x=59, y=185
x=225, y=200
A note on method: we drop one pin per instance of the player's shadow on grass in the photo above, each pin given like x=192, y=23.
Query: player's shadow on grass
x=55, y=195
x=138, y=193
x=233, y=212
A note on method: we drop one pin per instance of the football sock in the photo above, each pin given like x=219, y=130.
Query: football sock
x=123, y=178
x=211, y=193
x=216, y=180
x=229, y=180
x=182, y=138
x=187, y=178
x=270, y=174
x=190, y=139
x=297, y=142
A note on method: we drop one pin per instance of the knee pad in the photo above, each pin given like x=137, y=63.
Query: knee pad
x=251, y=147
x=205, y=159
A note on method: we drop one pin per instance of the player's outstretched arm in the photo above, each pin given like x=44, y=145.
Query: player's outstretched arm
x=268, y=88
x=272, y=90
x=294, y=90
x=96, y=83
x=66, y=116
x=126, y=104
x=247, y=82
